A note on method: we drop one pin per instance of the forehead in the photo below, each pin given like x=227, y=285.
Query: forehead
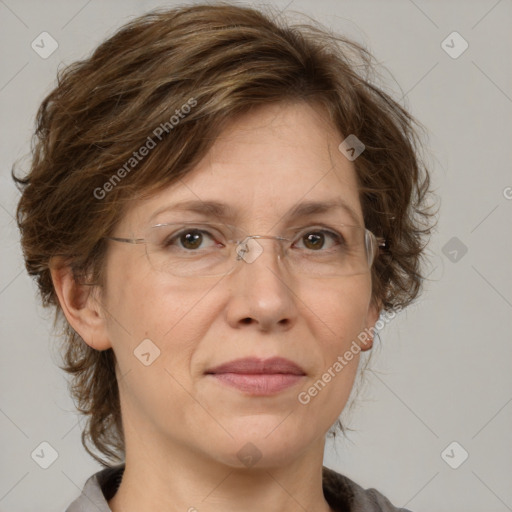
x=276, y=162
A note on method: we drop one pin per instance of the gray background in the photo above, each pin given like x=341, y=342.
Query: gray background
x=442, y=373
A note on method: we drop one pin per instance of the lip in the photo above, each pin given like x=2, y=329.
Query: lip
x=257, y=376
x=255, y=365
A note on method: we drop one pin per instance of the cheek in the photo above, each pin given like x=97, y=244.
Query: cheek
x=337, y=314
x=338, y=310
x=153, y=327
x=143, y=304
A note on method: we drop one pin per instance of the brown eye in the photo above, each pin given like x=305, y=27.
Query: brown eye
x=320, y=240
x=314, y=240
x=191, y=239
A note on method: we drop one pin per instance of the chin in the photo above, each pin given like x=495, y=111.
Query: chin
x=261, y=442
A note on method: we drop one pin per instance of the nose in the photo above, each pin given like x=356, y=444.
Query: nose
x=262, y=293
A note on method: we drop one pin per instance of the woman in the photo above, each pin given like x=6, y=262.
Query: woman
x=219, y=208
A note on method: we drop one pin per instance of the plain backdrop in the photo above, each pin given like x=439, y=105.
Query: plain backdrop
x=442, y=372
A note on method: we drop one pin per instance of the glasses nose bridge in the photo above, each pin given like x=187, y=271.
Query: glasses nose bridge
x=244, y=247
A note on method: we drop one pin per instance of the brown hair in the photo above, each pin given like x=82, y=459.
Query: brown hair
x=220, y=60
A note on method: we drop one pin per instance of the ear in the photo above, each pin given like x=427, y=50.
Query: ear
x=81, y=306
x=371, y=319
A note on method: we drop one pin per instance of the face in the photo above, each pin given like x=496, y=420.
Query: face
x=261, y=166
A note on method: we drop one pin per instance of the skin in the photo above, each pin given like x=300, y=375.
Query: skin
x=182, y=429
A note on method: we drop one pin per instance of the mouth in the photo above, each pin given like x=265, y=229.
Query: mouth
x=259, y=377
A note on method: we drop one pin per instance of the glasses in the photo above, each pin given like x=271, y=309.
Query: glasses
x=213, y=249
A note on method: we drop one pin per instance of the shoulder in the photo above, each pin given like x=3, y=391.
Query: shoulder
x=98, y=489
x=345, y=495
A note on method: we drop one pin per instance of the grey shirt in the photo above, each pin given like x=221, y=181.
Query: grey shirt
x=341, y=493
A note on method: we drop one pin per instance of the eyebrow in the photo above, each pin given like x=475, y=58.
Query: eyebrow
x=225, y=212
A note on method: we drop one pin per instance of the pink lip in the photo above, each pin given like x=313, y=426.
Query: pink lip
x=258, y=376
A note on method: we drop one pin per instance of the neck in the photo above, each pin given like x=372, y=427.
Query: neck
x=178, y=479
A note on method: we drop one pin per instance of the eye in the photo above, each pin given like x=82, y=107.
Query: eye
x=192, y=239
x=317, y=239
